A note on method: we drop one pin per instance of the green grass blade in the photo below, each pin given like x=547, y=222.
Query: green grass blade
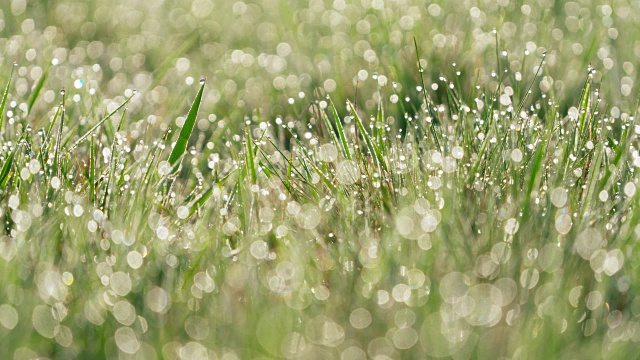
x=591, y=184
x=92, y=171
x=187, y=128
x=250, y=163
x=427, y=101
x=526, y=94
x=96, y=126
x=38, y=88
x=380, y=127
x=4, y=98
x=377, y=157
x=327, y=124
x=289, y=168
x=56, y=157
x=114, y=162
x=206, y=194
x=6, y=168
x=537, y=161
x=583, y=111
x=47, y=136
x=343, y=138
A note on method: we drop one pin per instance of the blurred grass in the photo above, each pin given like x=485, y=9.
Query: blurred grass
x=357, y=180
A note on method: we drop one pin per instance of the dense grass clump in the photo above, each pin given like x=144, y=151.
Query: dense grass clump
x=479, y=209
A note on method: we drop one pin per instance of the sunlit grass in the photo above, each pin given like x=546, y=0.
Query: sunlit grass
x=443, y=191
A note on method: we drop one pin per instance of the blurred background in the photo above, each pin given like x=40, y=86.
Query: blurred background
x=279, y=55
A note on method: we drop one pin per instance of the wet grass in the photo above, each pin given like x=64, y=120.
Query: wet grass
x=432, y=212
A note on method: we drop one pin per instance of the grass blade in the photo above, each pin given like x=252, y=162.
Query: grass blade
x=377, y=157
x=583, y=111
x=113, y=163
x=96, y=126
x=92, y=171
x=6, y=168
x=330, y=130
x=343, y=138
x=250, y=163
x=4, y=98
x=427, y=102
x=56, y=157
x=187, y=128
x=38, y=88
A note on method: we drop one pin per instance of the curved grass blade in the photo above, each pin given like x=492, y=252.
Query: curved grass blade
x=4, y=99
x=38, y=88
x=202, y=199
x=373, y=149
x=343, y=138
x=327, y=124
x=6, y=168
x=96, y=126
x=187, y=128
x=585, y=99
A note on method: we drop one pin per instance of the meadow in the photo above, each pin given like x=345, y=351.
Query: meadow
x=267, y=179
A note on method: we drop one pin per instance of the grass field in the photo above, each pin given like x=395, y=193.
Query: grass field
x=319, y=180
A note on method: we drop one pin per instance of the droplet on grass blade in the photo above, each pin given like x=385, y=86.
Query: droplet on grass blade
x=182, y=212
x=603, y=195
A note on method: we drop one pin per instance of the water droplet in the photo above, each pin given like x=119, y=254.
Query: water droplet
x=203, y=80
